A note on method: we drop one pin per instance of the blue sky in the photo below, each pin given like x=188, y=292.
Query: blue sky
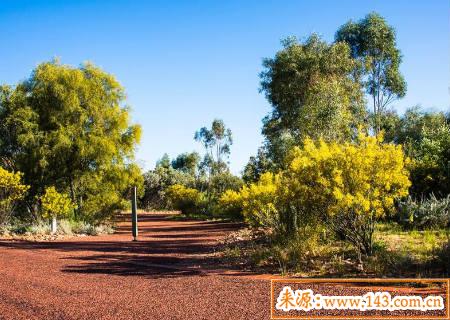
x=184, y=63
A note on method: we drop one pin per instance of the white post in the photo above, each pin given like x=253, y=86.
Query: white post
x=134, y=222
x=54, y=226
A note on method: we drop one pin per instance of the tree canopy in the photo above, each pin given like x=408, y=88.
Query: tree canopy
x=69, y=128
x=373, y=42
x=217, y=142
x=313, y=91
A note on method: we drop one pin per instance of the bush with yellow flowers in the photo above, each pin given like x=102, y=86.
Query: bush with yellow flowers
x=11, y=190
x=230, y=204
x=347, y=185
x=55, y=204
x=187, y=200
x=259, y=201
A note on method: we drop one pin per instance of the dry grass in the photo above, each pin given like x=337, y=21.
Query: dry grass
x=397, y=253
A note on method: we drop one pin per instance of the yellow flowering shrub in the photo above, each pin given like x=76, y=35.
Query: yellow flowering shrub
x=187, y=200
x=350, y=185
x=259, y=201
x=230, y=203
x=55, y=204
x=11, y=190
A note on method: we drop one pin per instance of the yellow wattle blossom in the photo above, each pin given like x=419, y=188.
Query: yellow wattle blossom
x=363, y=177
x=348, y=184
x=11, y=188
x=55, y=204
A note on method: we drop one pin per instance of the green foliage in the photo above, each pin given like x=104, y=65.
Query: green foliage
x=187, y=162
x=156, y=183
x=184, y=171
x=221, y=182
x=256, y=166
x=11, y=190
x=187, y=200
x=55, y=204
x=431, y=213
x=256, y=201
x=431, y=168
x=295, y=252
x=313, y=91
x=164, y=162
x=372, y=41
x=426, y=139
x=69, y=128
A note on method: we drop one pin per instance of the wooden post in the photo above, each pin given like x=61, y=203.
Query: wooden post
x=134, y=223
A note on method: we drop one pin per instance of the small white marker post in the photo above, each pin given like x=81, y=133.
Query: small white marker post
x=134, y=223
x=54, y=225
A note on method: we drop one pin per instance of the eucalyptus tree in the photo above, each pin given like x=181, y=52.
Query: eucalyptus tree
x=314, y=91
x=217, y=142
x=373, y=42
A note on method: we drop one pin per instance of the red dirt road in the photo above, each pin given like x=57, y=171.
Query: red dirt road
x=171, y=273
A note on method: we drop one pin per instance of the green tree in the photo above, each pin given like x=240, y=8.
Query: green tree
x=187, y=200
x=69, y=128
x=222, y=182
x=217, y=142
x=425, y=137
x=431, y=169
x=373, y=42
x=157, y=181
x=187, y=162
x=314, y=92
x=256, y=166
x=164, y=162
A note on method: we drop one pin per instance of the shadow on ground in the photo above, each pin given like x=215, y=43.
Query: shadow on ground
x=166, y=248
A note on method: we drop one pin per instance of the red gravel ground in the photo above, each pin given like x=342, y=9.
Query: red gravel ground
x=170, y=273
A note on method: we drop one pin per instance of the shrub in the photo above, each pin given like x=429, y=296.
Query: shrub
x=230, y=204
x=259, y=201
x=425, y=213
x=223, y=181
x=426, y=137
x=38, y=228
x=156, y=183
x=65, y=227
x=69, y=227
x=187, y=200
x=348, y=185
x=11, y=190
x=55, y=204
